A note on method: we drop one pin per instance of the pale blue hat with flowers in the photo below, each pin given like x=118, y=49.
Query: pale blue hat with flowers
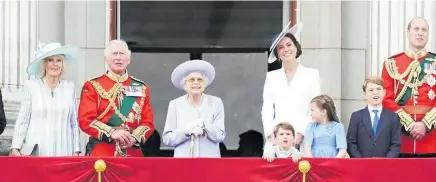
x=46, y=50
x=294, y=30
x=184, y=69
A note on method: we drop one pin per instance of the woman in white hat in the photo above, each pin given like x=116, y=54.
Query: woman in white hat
x=47, y=121
x=195, y=121
x=288, y=91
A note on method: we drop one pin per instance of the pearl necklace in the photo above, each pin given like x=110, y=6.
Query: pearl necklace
x=196, y=107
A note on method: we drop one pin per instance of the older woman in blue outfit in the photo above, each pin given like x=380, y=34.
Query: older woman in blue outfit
x=195, y=121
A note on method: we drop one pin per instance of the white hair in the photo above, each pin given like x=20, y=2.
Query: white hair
x=117, y=42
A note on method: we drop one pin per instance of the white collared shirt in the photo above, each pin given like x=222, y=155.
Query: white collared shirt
x=372, y=114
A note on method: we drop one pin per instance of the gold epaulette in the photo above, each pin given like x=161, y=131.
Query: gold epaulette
x=429, y=119
x=396, y=55
x=431, y=59
x=405, y=119
x=95, y=78
x=391, y=68
x=137, y=79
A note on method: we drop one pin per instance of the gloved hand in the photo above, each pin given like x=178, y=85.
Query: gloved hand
x=197, y=131
x=198, y=122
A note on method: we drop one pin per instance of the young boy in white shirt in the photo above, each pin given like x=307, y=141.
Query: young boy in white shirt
x=283, y=141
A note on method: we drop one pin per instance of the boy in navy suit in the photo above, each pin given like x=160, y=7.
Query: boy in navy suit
x=374, y=131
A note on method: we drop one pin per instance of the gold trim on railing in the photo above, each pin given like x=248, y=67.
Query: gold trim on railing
x=99, y=166
x=304, y=167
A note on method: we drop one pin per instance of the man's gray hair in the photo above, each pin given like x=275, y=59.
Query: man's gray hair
x=117, y=42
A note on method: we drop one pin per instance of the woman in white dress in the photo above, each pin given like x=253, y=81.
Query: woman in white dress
x=195, y=121
x=288, y=91
x=47, y=121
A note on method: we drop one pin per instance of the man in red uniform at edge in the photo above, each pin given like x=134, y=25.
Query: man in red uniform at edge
x=115, y=108
x=409, y=79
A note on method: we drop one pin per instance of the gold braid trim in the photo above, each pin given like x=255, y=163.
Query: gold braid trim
x=392, y=69
x=113, y=93
x=430, y=118
x=138, y=110
x=102, y=129
x=139, y=133
x=412, y=72
x=405, y=119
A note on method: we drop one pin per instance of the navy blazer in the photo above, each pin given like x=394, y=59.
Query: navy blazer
x=363, y=143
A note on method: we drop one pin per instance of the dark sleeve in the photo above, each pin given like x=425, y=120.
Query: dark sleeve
x=2, y=115
x=394, y=149
x=353, y=127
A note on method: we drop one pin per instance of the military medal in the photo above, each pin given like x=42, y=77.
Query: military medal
x=135, y=91
x=427, y=68
x=431, y=94
x=433, y=68
x=431, y=81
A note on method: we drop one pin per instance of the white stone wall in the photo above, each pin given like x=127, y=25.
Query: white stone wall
x=356, y=55
x=18, y=37
x=321, y=43
x=335, y=41
x=82, y=23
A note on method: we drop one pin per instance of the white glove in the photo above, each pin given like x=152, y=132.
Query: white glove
x=198, y=123
x=196, y=131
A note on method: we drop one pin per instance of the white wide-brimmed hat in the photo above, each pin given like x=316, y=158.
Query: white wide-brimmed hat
x=46, y=50
x=184, y=69
x=294, y=31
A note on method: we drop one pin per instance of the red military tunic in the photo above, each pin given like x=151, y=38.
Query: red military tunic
x=100, y=112
x=409, y=80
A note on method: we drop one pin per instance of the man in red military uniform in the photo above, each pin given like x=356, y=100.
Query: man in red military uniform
x=410, y=91
x=115, y=108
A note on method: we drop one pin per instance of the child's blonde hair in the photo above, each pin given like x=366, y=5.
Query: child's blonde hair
x=285, y=126
x=326, y=102
x=373, y=79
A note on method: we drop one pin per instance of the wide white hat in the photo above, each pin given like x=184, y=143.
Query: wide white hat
x=184, y=69
x=294, y=31
x=46, y=50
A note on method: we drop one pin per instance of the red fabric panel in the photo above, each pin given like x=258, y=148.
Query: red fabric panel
x=231, y=169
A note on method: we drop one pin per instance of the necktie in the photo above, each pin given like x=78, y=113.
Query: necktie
x=375, y=124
